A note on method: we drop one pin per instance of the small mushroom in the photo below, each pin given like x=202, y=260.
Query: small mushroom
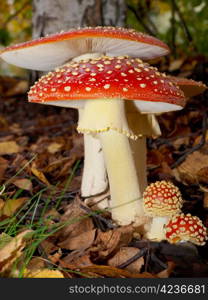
x=162, y=200
x=186, y=228
x=98, y=88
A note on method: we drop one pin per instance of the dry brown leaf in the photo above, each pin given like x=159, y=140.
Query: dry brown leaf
x=9, y=147
x=123, y=255
x=79, y=222
x=76, y=260
x=188, y=170
x=12, y=205
x=54, y=147
x=23, y=183
x=1, y=203
x=80, y=242
x=3, y=166
x=109, y=242
x=113, y=272
x=39, y=175
x=13, y=250
x=43, y=273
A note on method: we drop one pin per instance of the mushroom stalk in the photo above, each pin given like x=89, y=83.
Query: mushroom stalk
x=156, y=231
x=94, y=178
x=125, y=191
x=106, y=117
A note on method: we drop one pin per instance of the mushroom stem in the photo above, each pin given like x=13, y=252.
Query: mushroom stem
x=156, y=231
x=94, y=178
x=106, y=117
x=125, y=192
x=139, y=151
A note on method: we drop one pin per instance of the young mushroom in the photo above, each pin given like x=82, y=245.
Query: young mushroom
x=186, y=228
x=99, y=87
x=52, y=51
x=162, y=200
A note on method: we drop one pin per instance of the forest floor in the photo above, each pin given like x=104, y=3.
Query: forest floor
x=47, y=231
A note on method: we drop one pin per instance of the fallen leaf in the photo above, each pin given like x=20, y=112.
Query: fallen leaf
x=76, y=259
x=9, y=147
x=107, y=243
x=54, y=147
x=12, y=205
x=123, y=255
x=3, y=166
x=113, y=272
x=23, y=183
x=82, y=241
x=43, y=273
x=1, y=203
x=78, y=221
x=13, y=250
x=188, y=170
x=39, y=175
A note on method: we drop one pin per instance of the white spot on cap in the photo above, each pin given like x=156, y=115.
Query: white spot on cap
x=142, y=85
x=125, y=89
x=88, y=89
x=106, y=86
x=67, y=88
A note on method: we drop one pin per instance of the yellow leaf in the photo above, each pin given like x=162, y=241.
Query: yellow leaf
x=13, y=250
x=1, y=203
x=9, y=147
x=24, y=184
x=40, y=175
x=12, y=205
x=54, y=147
x=44, y=273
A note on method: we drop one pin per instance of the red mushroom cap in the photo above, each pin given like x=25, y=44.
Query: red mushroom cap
x=49, y=52
x=190, y=87
x=107, y=77
x=186, y=228
x=162, y=198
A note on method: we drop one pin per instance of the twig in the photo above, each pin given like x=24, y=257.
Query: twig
x=100, y=218
x=141, y=253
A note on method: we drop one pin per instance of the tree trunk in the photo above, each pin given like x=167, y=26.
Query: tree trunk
x=50, y=16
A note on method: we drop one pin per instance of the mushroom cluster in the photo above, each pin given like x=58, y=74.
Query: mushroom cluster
x=162, y=200
x=163, y=203
x=100, y=72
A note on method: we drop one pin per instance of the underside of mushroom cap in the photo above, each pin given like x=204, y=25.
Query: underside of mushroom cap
x=46, y=53
x=109, y=78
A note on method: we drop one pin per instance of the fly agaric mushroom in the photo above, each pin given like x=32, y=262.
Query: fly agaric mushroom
x=46, y=53
x=186, y=228
x=52, y=51
x=162, y=200
x=99, y=87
